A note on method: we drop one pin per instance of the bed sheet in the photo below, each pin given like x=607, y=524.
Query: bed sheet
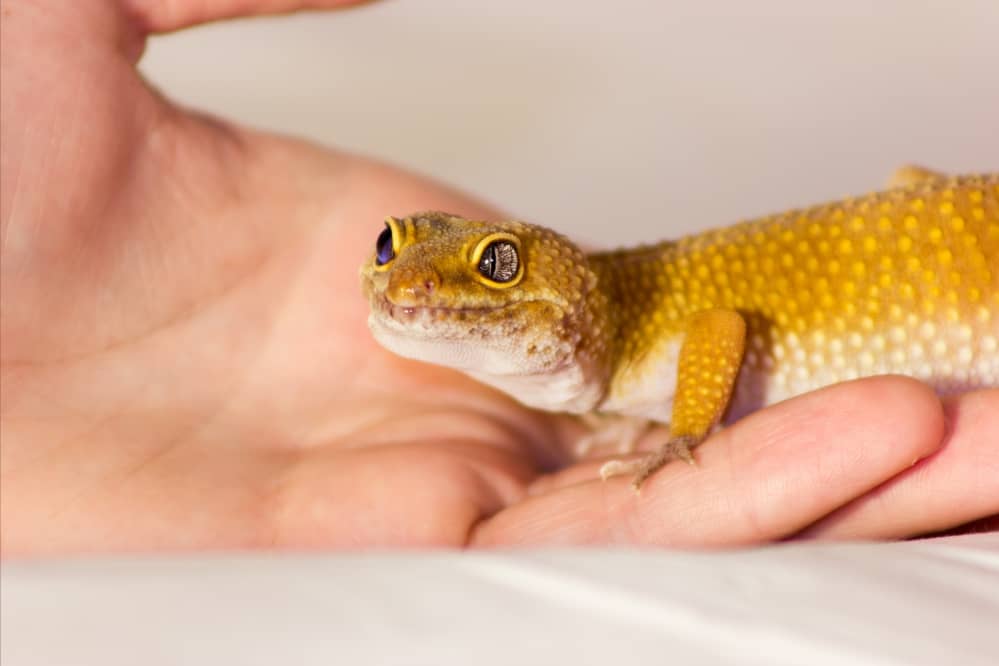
x=921, y=602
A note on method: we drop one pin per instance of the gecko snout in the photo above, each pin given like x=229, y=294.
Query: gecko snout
x=416, y=288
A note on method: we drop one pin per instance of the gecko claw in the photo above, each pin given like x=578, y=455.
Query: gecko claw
x=677, y=448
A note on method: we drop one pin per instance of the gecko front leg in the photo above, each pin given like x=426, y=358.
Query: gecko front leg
x=709, y=362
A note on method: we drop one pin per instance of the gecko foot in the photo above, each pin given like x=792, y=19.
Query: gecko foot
x=677, y=448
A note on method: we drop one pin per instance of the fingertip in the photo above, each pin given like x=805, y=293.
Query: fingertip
x=906, y=407
x=959, y=478
x=158, y=17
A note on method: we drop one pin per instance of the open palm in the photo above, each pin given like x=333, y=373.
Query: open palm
x=186, y=363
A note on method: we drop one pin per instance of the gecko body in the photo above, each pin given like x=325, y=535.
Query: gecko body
x=710, y=326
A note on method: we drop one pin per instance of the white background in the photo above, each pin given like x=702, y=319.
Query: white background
x=618, y=121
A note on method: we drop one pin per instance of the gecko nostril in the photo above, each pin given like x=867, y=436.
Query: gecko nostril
x=421, y=290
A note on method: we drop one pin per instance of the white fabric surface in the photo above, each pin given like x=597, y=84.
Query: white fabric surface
x=929, y=602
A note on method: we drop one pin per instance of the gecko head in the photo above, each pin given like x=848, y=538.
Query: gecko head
x=489, y=298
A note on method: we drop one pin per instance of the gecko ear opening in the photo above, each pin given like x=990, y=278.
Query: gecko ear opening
x=497, y=260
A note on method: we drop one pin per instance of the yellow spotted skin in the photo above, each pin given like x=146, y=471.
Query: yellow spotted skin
x=685, y=332
x=709, y=362
x=902, y=281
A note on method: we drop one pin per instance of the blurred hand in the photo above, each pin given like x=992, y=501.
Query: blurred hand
x=186, y=365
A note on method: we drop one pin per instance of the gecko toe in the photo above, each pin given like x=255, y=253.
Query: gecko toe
x=618, y=468
x=680, y=448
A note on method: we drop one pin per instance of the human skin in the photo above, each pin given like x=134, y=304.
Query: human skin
x=186, y=365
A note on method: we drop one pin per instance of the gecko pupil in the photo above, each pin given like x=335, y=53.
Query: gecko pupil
x=383, y=247
x=499, y=261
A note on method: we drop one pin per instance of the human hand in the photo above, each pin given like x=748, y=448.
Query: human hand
x=186, y=365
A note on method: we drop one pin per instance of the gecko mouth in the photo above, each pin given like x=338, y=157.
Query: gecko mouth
x=409, y=314
x=486, y=326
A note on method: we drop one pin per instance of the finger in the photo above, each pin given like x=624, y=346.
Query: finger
x=163, y=16
x=761, y=479
x=958, y=485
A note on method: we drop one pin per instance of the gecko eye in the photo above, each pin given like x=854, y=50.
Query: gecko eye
x=383, y=247
x=499, y=261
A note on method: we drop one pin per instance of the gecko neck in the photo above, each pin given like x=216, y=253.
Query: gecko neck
x=647, y=325
x=641, y=293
